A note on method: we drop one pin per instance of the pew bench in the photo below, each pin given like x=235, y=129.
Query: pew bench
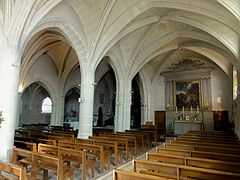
x=132, y=142
x=198, y=143
x=121, y=143
x=12, y=171
x=51, y=163
x=26, y=145
x=70, y=155
x=196, y=162
x=110, y=148
x=173, y=171
x=200, y=154
x=225, y=150
x=119, y=174
x=94, y=150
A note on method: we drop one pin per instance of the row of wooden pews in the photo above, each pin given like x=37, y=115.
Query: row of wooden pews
x=194, y=155
x=35, y=145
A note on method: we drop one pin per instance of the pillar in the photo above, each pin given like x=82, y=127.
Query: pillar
x=57, y=116
x=9, y=78
x=86, y=104
x=123, y=105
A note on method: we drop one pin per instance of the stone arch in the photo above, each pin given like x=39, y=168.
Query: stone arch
x=31, y=101
x=105, y=93
x=72, y=37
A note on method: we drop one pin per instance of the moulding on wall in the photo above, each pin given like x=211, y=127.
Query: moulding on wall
x=197, y=73
x=188, y=68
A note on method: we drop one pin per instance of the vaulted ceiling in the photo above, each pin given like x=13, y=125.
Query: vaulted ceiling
x=140, y=33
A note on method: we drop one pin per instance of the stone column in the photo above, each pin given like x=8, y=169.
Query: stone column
x=209, y=92
x=204, y=97
x=9, y=78
x=238, y=84
x=57, y=117
x=170, y=91
x=86, y=105
x=123, y=106
x=167, y=94
x=144, y=109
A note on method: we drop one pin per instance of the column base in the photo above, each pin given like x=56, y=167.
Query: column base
x=83, y=136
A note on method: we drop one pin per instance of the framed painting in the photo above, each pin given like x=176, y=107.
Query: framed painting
x=187, y=94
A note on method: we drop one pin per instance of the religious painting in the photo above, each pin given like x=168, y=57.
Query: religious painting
x=187, y=94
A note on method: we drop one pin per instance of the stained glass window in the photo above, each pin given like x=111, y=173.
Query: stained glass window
x=47, y=105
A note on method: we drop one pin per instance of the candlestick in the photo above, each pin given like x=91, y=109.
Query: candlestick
x=176, y=110
x=197, y=109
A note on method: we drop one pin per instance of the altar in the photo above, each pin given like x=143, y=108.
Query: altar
x=182, y=126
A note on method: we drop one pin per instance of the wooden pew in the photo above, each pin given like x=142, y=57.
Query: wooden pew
x=79, y=157
x=222, y=136
x=119, y=174
x=76, y=156
x=209, y=144
x=26, y=145
x=212, y=133
x=112, y=146
x=132, y=142
x=139, y=139
x=181, y=172
x=196, y=162
x=46, y=141
x=26, y=158
x=46, y=163
x=209, y=140
x=225, y=150
x=200, y=154
x=122, y=145
x=13, y=170
x=22, y=157
x=148, y=136
x=95, y=150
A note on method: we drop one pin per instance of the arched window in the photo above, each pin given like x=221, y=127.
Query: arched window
x=47, y=105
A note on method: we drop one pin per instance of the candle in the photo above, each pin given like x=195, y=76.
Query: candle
x=176, y=110
x=197, y=109
x=183, y=109
x=191, y=109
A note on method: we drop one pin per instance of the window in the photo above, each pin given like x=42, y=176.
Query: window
x=47, y=105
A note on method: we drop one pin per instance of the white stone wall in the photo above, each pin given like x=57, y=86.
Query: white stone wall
x=73, y=80
x=221, y=85
x=31, y=112
x=43, y=70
